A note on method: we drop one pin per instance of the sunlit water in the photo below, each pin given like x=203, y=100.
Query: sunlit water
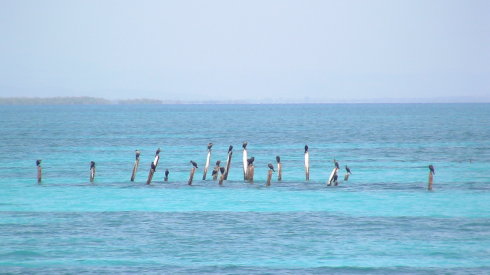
x=383, y=220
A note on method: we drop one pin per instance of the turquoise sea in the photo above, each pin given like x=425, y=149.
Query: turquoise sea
x=382, y=221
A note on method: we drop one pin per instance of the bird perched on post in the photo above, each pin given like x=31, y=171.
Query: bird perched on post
x=222, y=170
x=278, y=159
x=38, y=162
x=230, y=148
x=194, y=164
x=432, y=170
x=251, y=160
x=210, y=145
x=157, y=152
x=347, y=169
x=218, y=162
x=244, y=145
x=92, y=164
x=271, y=167
x=137, y=153
x=306, y=148
x=336, y=164
x=166, y=173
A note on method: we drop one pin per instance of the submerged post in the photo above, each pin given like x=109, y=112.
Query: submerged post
x=347, y=173
x=279, y=168
x=92, y=171
x=216, y=170
x=228, y=161
x=39, y=170
x=193, y=169
x=136, y=164
x=244, y=159
x=307, y=163
x=153, y=166
x=432, y=172
x=222, y=170
x=208, y=159
x=166, y=175
x=269, y=174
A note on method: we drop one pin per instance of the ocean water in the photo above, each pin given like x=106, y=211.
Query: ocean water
x=382, y=221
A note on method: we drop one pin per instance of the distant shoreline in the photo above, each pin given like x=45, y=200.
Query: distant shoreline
x=147, y=101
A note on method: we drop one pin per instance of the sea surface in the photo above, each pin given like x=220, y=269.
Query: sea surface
x=381, y=221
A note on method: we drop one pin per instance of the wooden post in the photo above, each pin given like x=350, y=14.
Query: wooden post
x=244, y=159
x=136, y=164
x=153, y=166
x=279, y=168
x=307, y=163
x=191, y=176
x=166, y=175
x=216, y=170
x=269, y=174
x=222, y=170
x=228, y=161
x=431, y=177
x=333, y=176
x=92, y=171
x=208, y=159
x=39, y=171
x=250, y=169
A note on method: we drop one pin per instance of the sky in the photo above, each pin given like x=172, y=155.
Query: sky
x=246, y=50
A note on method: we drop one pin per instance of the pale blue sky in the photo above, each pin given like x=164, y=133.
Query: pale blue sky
x=225, y=50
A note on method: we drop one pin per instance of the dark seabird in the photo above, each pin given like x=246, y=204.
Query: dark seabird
x=222, y=170
x=432, y=170
x=193, y=163
x=214, y=172
x=210, y=145
x=347, y=169
x=38, y=162
x=251, y=160
x=336, y=164
x=271, y=166
x=166, y=173
x=92, y=164
x=278, y=159
x=306, y=148
x=137, y=154
x=244, y=145
x=218, y=162
x=157, y=152
x=230, y=148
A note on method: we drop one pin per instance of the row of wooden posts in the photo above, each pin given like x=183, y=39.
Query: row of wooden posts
x=248, y=168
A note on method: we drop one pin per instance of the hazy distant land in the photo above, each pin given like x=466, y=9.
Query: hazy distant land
x=85, y=100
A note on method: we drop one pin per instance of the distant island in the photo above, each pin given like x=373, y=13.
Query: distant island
x=84, y=100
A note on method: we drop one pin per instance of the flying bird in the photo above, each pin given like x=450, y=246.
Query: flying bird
x=210, y=145
x=347, y=169
x=306, y=148
x=432, y=170
x=271, y=166
x=194, y=164
x=38, y=162
x=230, y=148
x=244, y=145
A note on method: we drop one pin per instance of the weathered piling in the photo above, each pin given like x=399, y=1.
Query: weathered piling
x=166, y=175
x=92, y=171
x=432, y=172
x=244, y=159
x=250, y=167
x=193, y=169
x=347, y=173
x=228, y=161
x=153, y=166
x=307, y=163
x=279, y=168
x=269, y=174
x=222, y=170
x=39, y=171
x=136, y=164
x=216, y=170
x=208, y=159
